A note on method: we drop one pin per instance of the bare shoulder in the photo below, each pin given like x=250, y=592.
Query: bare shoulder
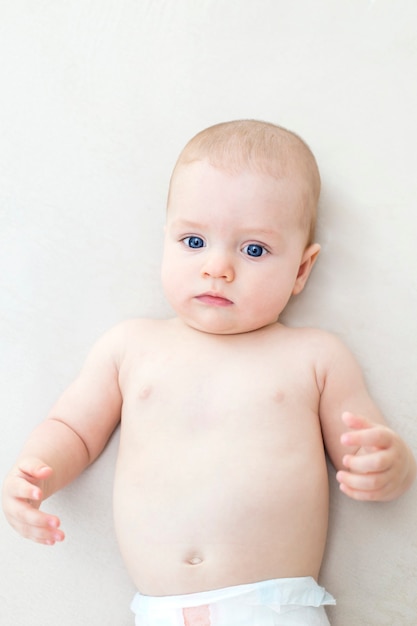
x=320, y=342
x=129, y=334
x=325, y=351
x=130, y=329
x=338, y=373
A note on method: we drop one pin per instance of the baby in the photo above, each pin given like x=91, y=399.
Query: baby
x=221, y=493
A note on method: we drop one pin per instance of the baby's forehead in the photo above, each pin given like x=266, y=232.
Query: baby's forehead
x=233, y=168
x=202, y=184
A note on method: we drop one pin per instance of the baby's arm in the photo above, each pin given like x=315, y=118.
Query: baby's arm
x=73, y=435
x=373, y=462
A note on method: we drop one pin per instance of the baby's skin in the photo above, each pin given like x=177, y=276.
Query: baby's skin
x=225, y=413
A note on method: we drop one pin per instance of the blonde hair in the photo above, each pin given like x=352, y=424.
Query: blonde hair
x=262, y=147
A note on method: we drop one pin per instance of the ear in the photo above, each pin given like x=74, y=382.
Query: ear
x=306, y=265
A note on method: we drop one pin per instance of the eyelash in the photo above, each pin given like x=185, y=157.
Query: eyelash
x=187, y=241
x=258, y=246
x=195, y=239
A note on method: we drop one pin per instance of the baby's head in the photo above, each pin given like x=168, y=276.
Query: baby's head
x=240, y=225
x=262, y=148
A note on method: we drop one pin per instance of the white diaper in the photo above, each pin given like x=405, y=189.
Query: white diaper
x=280, y=602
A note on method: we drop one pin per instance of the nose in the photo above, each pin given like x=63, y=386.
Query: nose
x=218, y=265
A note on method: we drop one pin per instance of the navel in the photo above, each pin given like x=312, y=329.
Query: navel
x=194, y=560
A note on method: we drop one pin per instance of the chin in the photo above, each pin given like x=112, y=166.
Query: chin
x=222, y=328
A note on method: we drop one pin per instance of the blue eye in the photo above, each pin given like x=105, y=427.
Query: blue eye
x=254, y=250
x=194, y=242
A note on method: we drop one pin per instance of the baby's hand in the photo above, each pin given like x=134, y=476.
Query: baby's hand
x=22, y=497
x=381, y=465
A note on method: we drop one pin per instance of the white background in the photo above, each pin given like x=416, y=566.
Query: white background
x=97, y=97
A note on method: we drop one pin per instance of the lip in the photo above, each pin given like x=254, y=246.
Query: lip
x=212, y=298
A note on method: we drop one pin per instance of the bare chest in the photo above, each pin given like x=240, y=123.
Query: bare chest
x=193, y=392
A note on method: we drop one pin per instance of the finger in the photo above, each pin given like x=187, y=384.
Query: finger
x=36, y=525
x=376, y=436
x=368, y=463
x=40, y=534
x=25, y=513
x=22, y=488
x=361, y=496
x=362, y=486
x=43, y=535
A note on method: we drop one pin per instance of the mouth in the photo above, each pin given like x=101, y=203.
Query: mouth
x=213, y=299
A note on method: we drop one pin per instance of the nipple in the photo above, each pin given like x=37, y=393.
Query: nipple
x=145, y=392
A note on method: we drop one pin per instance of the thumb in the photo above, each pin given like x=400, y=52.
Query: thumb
x=361, y=434
x=33, y=467
x=354, y=421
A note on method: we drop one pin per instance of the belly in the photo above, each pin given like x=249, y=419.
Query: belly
x=219, y=509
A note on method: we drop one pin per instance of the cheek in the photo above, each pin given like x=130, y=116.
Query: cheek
x=271, y=294
x=174, y=279
x=170, y=290
x=167, y=274
x=169, y=264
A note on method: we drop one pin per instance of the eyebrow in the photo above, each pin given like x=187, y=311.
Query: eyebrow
x=187, y=224
x=182, y=223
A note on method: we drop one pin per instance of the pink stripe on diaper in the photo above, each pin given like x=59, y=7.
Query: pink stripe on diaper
x=197, y=616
